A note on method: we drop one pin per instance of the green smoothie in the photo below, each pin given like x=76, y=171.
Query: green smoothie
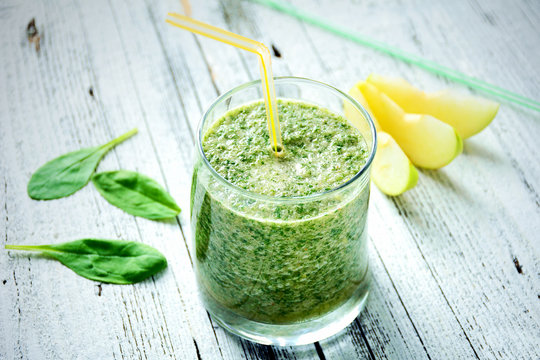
x=267, y=256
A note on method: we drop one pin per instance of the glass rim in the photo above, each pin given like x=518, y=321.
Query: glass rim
x=270, y=198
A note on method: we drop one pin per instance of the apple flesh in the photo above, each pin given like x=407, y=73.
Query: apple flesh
x=427, y=141
x=467, y=114
x=392, y=171
x=353, y=115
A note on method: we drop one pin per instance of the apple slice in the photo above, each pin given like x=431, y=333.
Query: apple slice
x=467, y=114
x=353, y=115
x=392, y=171
x=427, y=141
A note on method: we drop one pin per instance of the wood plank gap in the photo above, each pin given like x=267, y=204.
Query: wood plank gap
x=530, y=187
x=372, y=356
x=399, y=297
x=411, y=232
x=207, y=63
x=152, y=141
x=197, y=349
x=313, y=47
x=170, y=68
x=241, y=54
x=215, y=334
x=319, y=350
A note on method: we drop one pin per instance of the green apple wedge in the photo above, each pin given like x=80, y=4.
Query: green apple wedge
x=467, y=114
x=392, y=171
x=354, y=115
x=427, y=141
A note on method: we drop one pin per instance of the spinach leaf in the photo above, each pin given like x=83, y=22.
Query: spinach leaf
x=68, y=173
x=136, y=194
x=110, y=261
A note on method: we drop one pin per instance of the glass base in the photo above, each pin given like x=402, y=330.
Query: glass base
x=293, y=334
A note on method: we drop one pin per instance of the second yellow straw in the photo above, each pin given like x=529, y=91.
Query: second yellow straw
x=201, y=28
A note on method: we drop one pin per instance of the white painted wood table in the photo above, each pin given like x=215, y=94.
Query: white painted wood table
x=455, y=261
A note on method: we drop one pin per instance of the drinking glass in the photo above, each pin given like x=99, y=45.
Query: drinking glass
x=282, y=270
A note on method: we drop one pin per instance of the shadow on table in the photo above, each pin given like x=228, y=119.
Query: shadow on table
x=475, y=149
x=441, y=177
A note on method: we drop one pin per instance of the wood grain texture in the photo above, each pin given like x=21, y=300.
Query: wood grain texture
x=444, y=256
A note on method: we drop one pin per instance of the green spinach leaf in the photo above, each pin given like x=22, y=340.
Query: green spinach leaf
x=68, y=173
x=136, y=194
x=110, y=261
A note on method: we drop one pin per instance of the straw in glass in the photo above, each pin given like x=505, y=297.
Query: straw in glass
x=425, y=64
x=244, y=43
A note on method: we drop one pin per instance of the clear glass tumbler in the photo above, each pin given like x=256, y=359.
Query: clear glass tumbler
x=276, y=281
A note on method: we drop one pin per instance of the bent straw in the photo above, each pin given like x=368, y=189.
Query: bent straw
x=198, y=27
x=425, y=64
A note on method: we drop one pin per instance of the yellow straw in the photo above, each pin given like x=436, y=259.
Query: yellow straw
x=198, y=27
